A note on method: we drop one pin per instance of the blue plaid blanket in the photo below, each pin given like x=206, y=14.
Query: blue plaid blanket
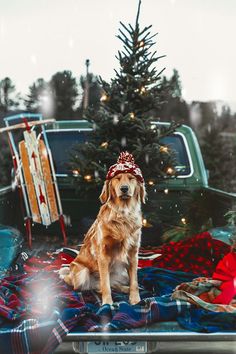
x=38, y=310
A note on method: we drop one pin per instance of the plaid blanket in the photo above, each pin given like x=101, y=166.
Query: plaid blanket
x=206, y=315
x=201, y=320
x=202, y=292
x=200, y=254
x=38, y=310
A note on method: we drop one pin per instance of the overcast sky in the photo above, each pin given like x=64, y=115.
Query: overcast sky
x=39, y=38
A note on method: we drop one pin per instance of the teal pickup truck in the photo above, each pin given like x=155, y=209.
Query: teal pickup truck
x=174, y=202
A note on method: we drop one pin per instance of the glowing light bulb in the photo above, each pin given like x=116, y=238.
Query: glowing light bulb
x=170, y=170
x=183, y=220
x=132, y=115
x=142, y=90
x=151, y=182
x=166, y=191
x=88, y=178
x=104, y=145
x=163, y=149
x=104, y=98
x=76, y=173
x=145, y=222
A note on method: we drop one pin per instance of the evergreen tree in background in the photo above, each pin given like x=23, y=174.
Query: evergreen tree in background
x=123, y=119
x=219, y=153
x=33, y=101
x=175, y=108
x=64, y=92
x=8, y=99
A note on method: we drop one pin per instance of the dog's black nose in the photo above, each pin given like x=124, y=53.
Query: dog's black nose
x=124, y=189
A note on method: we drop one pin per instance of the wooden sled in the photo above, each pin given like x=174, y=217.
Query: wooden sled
x=38, y=180
x=38, y=186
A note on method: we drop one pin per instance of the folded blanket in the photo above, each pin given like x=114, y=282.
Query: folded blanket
x=205, y=316
x=202, y=292
x=220, y=290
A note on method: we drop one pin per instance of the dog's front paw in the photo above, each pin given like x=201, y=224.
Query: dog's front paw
x=107, y=300
x=134, y=299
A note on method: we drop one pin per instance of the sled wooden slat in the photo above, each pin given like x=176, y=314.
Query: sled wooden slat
x=50, y=192
x=37, y=174
x=29, y=124
x=29, y=183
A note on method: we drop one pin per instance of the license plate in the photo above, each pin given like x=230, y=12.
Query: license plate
x=117, y=347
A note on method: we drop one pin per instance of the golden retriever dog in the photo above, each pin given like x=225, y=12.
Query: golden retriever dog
x=108, y=257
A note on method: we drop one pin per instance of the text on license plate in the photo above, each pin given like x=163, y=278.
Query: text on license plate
x=117, y=347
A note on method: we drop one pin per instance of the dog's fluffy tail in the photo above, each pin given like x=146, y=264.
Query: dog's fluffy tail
x=82, y=280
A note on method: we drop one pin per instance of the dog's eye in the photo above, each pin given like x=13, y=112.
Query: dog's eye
x=118, y=178
x=130, y=178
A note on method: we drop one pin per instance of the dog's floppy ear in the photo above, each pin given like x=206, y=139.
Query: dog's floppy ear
x=143, y=193
x=105, y=195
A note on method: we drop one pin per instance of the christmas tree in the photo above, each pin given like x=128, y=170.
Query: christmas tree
x=123, y=120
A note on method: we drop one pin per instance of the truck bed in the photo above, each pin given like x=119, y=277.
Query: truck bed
x=161, y=337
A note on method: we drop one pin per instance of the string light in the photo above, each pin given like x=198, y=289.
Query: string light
x=144, y=222
x=183, y=220
x=164, y=149
x=76, y=173
x=88, y=178
x=104, y=145
x=166, y=191
x=142, y=90
x=141, y=44
x=104, y=98
x=170, y=171
x=132, y=115
x=151, y=182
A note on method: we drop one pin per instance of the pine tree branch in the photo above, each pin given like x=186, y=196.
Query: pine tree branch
x=126, y=39
x=126, y=44
x=126, y=28
x=145, y=29
x=138, y=13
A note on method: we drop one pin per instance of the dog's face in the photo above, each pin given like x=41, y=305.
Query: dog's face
x=123, y=187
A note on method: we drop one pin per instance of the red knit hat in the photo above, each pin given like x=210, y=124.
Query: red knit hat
x=125, y=164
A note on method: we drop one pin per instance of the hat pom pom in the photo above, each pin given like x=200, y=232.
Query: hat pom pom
x=125, y=157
